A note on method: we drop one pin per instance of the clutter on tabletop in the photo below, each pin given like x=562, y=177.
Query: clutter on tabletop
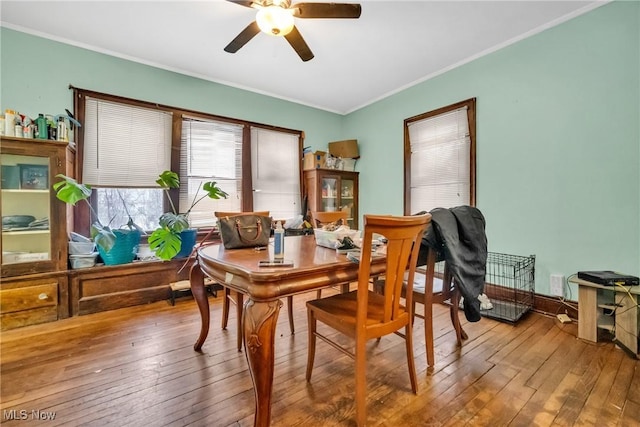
x=58, y=127
x=333, y=238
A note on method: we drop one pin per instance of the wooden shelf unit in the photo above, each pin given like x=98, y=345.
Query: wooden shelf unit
x=609, y=308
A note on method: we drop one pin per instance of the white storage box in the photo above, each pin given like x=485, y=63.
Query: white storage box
x=81, y=248
x=83, y=261
x=331, y=239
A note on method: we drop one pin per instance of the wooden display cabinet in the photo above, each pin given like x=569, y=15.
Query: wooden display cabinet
x=333, y=190
x=34, y=232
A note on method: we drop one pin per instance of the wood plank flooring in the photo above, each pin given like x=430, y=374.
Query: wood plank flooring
x=137, y=367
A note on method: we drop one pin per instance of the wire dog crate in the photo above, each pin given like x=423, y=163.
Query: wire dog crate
x=510, y=285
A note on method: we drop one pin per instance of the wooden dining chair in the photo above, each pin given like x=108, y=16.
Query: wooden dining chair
x=363, y=314
x=237, y=298
x=427, y=290
x=322, y=218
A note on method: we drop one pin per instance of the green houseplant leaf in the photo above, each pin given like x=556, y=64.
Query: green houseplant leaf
x=173, y=223
x=103, y=236
x=165, y=243
x=213, y=191
x=168, y=179
x=70, y=191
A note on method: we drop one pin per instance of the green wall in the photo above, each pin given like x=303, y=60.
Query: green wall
x=30, y=87
x=558, y=151
x=558, y=130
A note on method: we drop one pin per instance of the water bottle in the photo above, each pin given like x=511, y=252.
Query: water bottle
x=42, y=127
x=278, y=241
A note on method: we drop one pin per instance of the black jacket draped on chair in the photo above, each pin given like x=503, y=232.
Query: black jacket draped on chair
x=458, y=236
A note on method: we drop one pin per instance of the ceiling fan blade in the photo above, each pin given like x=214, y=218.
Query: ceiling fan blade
x=242, y=3
x=243, y=38
x=299, y=45
x=326, y=10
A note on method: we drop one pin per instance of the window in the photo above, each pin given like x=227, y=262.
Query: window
x=440, y=158
x=125, y=144
x=276, y=172
x=116, y=205
x=125, y=148
x=210, y=151
x=213, y=151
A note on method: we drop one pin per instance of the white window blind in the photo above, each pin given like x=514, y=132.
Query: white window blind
x=124, y=145
x=211, y=151
x=276, y=172
x=440, y=161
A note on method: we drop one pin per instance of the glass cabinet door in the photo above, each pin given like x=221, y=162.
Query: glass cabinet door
x=330, y=202
x=347, y=199
x=25, y=209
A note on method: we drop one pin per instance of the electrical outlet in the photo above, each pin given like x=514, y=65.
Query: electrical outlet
x=556, y=285
x=563, y=318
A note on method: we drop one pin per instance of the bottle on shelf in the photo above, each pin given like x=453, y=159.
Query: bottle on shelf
x=42, y=127
x=10, y=122
x=61, y=133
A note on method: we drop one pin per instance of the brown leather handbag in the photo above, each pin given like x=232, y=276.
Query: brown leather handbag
x=244, y=231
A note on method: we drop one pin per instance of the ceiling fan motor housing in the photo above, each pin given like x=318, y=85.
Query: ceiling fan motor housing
x=282, y=3
x=276, y=17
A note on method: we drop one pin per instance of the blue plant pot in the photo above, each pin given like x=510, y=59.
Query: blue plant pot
x=124, y=250
x=188, y=238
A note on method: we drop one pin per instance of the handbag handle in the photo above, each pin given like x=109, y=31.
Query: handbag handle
x=258, y=233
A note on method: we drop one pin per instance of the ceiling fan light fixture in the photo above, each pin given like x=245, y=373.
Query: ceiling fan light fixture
x=275, y=20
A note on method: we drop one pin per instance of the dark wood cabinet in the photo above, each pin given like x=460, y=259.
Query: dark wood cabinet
x=104, y=288
x=333, y=190
x=34, y=232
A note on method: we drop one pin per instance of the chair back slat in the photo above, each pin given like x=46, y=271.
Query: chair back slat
x=320, y=218
x=403, y=236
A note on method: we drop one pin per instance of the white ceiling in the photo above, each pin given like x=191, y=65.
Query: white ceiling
x=393, y=45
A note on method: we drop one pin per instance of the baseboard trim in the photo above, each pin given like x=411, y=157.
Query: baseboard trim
x=553, y=306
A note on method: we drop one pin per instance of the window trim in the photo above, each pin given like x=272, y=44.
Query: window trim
x=81, y=217
x=471, y=119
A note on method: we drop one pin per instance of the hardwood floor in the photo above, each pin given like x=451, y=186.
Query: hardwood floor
x=137, y=367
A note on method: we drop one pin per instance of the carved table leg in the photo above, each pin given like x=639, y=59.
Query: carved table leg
x=196, y=278
x=259, y=323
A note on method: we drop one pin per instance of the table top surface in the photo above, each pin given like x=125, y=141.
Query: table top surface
x=635, y=290
x=314, y=267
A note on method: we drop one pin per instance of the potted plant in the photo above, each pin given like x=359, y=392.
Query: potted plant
x=174, y=236
x=116, y=246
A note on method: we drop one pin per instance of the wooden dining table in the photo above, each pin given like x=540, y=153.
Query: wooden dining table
x=314, y=267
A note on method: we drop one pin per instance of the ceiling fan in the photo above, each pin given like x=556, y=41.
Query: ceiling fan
x=275, y=17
